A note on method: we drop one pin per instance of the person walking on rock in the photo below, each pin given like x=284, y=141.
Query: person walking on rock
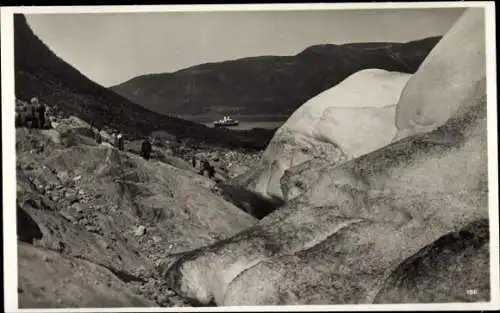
x=121, y=142
x=34, y=118
x=98, y=136
x=34, y=115
x=146, y=148
x=48, y=117
x=211, y=171
x=113, y=139
x=24, y=117
x=41, y=115
x=193, y=161
x=206, y=167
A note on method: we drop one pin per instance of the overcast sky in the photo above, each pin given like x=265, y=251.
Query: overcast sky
x=112, y=48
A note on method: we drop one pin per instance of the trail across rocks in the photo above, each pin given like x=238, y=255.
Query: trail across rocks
x=114, y=209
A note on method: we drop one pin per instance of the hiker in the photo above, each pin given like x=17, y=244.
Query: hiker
x=49, y=115
x=41, y=115
x=114, y=138
x=98, y=136
x=23, y=117
x=193, y=161
x=33, y=111
x=211, y=171
x=205, y=166
x=146, y=148
x=33, y=118
x=121, y=142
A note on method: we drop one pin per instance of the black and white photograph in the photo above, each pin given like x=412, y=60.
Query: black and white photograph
x=230, y=157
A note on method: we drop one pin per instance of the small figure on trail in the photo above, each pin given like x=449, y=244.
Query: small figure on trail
x=211, y=171
x=146, y=148
x=98, y=136
x=41, y=115
x=121, y=142
x=113, y=138
x=193, y=161
x=49, y=116
x=34, y=118
x=23, y=117
x=206, y=167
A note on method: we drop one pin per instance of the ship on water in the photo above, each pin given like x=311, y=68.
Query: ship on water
x=226, y=121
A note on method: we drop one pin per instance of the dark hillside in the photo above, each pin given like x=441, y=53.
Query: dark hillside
x=39, y=72
x=268, y=85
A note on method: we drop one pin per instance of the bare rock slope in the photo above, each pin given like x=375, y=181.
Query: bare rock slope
x=382, y=227
x=114, y=209
x=78, y=283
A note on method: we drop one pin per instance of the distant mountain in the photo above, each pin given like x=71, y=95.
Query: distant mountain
x=39, y=72
x=273, y=85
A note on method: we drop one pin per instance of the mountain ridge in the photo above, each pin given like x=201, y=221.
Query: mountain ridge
x=262, y=84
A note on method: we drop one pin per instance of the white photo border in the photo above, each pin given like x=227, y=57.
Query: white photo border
x=9, y=153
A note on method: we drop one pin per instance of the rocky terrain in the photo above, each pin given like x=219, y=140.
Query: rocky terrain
x=405, y=223
x=91, y=208
x=261, y=85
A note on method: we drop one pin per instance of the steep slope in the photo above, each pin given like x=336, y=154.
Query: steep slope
x=94, y=286
x=58, y=83
x=261, y=85
x=382, y=227
x=111, y=208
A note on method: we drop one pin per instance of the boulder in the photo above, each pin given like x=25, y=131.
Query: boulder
x=53, y=134
x=32, y=145
x=71, y=122
x=50, y=280
x=351, y=119
x=140, y=231
x=364, y=228
x=107, y=138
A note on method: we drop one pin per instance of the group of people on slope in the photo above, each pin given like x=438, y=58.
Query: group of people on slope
x=34, y=115
x=205, y=167
x=118, y=141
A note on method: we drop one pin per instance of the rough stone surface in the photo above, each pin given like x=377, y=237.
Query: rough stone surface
x=50, y=280
x=364, y=229
x=82, y=201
